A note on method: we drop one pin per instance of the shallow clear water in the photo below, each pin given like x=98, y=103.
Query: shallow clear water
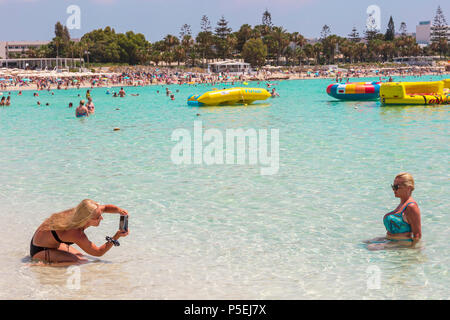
x=226, y=231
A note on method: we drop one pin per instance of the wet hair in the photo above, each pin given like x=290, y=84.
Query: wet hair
x=407, y=178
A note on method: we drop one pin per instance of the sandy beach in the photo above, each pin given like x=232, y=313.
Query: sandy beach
x=21, y=80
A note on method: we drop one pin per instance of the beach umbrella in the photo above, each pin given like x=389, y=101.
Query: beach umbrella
x=127, y=78
x=26, y=79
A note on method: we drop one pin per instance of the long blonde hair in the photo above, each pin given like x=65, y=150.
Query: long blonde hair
x=74, y=218
x=407, y=178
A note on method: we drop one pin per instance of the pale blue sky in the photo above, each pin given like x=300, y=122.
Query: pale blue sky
x=35, y=19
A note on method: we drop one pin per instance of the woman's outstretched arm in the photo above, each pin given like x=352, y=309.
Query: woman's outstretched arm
x=90, y=248
x=110, y=208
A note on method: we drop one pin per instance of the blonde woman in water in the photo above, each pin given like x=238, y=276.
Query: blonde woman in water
x=51, y=243
x=403, y=224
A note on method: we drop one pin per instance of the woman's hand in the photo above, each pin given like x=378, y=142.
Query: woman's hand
x=120, y=234
x=122, y=212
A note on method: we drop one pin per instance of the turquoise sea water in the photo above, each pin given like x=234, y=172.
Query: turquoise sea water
x=226, y=231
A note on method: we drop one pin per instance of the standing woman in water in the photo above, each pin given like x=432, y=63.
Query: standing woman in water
x=82, y=110
x=51, y=243
x=403, y=224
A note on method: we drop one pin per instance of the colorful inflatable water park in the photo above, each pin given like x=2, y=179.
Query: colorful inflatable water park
x=355, y=91
x=394, y=93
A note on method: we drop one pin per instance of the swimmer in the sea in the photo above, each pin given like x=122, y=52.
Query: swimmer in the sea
x=274, y=94
x=90, y=106
x=403, y=224
x=81, y=111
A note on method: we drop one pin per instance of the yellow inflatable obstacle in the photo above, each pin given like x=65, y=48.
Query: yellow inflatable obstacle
x=229, y=97
x=432, y=92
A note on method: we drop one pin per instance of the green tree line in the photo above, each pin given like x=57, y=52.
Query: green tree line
x=257, y=45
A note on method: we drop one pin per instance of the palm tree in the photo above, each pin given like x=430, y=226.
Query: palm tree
x=300, y=55
x=170, y=42
x=187, y=43
x=179, y=54
x=309, y=52
x=281, y=38
x=231, y=43
x=318, y=49
x=329, y=47
x=360, y=51
x=244, y=33
x=71, y=47
x=205, y=41
x=58, y=41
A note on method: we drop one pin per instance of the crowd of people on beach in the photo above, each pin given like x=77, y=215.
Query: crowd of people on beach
x=145, y=76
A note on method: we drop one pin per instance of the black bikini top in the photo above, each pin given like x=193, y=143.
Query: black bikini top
x=55, y=235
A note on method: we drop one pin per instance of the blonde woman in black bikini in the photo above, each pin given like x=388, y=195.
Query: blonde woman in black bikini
x=51, y=243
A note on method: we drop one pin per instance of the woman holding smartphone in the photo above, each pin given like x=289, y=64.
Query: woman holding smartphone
x=51, y=243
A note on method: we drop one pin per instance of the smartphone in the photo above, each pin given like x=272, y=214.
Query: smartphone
x=123, y=225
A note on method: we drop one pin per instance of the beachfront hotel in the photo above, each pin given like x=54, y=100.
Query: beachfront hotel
x=10, y=49
x=14, y=54
x=423, y=32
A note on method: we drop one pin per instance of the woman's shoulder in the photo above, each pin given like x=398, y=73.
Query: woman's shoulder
x=412, y=207
x=412, y=203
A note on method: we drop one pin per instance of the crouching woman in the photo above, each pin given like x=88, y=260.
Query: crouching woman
x=51, y=243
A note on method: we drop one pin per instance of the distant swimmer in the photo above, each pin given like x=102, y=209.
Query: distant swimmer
x=122, y=93
x=8, y=101
x=90, y=106
x=70, y=104
x=135, y=94
x=81, y=111
x=52, y=241
x=274, y=94
x=88, y=94
x=3, y=101
x=172, y=97
x=403, y=224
